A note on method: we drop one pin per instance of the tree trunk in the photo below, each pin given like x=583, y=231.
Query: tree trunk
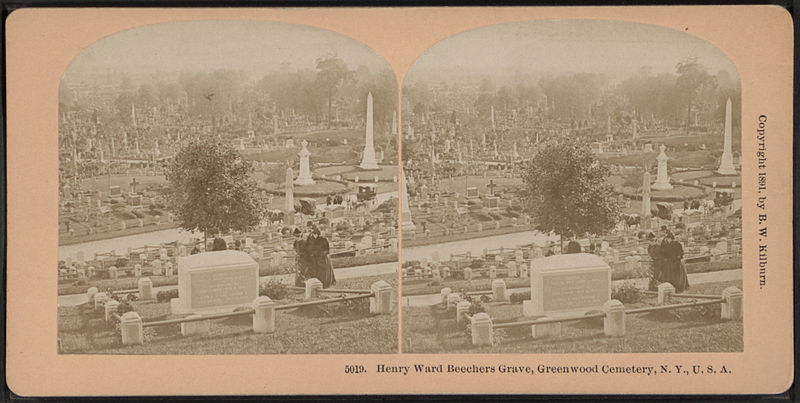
x=330, y=102
x=688, y=115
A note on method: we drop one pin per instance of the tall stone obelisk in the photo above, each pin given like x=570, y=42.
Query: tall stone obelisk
x=646, y=222
x=407, y=223
x=394, y=124
x=304, y=177
x=662, y=178
x=133, y=114
x=726, y=162
x=494, y=125
x=288, y=202
x=646, y=194
x=368, y=162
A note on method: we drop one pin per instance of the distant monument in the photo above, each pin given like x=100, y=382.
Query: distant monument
x=304, y=177
x=662, y=179
x=726, y=164
x=368, y=162
x=646, y=195
x=493, y=122
x=133, y=114
x=407, y=223
x=394, y=124
x=288, y=202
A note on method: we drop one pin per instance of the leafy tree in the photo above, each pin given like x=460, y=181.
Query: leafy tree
x=693, y=79
x=212, y=190
x=331, y=73
x=567, y=191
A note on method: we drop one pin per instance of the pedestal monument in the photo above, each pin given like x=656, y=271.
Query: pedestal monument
x=304, y=177
x=662, y=179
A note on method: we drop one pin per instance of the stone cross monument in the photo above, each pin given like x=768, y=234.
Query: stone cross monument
x=726, y=163
x=368, y=162
x=662, y=179
x=304, y=177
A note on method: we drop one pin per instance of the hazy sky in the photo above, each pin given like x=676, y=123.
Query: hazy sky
x=206, y=45
x=611, y=47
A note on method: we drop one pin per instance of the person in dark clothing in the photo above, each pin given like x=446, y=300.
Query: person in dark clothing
x=302, y=261
x=219, y=244
x=674, y=269
x=320, y=262
x=574, y=247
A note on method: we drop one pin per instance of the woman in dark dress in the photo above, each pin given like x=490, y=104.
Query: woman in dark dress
x=674, y=270
x=302, y=262
x=321, y=265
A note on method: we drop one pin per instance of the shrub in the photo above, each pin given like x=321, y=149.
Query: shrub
x=627, y=293
x=518, y=297
x=166, y=296
x=274, y=289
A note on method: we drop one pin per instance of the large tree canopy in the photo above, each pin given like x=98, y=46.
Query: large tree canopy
x=567, y=191
x=211, y=189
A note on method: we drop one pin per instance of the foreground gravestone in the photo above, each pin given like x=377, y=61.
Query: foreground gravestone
x=567, y=285
x=218, y=281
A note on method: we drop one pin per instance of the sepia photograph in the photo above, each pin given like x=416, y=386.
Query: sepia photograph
x=346, y=201
x=571, y=187
x=227, y=187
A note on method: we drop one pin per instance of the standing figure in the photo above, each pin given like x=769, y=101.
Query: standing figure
x=321, y=266
x=302, y=261
x=674, y=270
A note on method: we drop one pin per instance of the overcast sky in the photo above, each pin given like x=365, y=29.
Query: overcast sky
x=207, y=45
x=553, y=46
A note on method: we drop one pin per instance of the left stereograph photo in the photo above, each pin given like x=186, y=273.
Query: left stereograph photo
x=227, y=187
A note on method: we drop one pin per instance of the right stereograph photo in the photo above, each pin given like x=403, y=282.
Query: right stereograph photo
x=571, y=187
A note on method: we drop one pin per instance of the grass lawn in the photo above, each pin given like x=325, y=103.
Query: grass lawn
x=421, y=240
x=699, y=329
x=677, y=159
x=338, y=328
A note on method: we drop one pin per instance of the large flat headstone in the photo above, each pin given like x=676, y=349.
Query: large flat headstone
x=216, y=281
x=568, y=284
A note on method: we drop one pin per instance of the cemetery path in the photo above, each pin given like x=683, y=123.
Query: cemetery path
x=694, y=278
x=121, y=244
x=476, y=245
x=341, y=274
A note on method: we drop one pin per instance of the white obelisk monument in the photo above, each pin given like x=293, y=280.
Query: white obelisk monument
x=394, y=124
x=407, y=223
x=304, y=177
x=368, y=162
x=726, y=163
x=662, y=179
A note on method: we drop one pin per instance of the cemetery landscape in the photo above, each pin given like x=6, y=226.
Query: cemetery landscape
x=228, y=205
x=571, y=201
